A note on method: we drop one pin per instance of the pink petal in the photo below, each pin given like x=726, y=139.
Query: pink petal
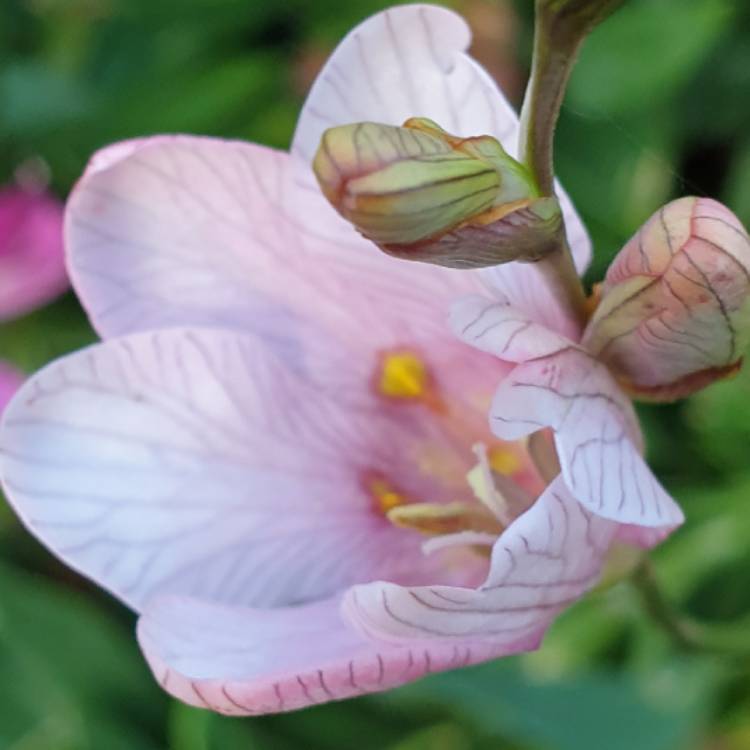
x=547, y=559
x=596, y=435
x=32, y=270
x=243, y=661
x=411, y=61
x=191, y=231
x=203, y=463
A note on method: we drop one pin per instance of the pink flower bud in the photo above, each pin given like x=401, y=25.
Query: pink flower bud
x=675, y=306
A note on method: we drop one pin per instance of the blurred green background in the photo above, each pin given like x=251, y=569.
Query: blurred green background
x=659, y=106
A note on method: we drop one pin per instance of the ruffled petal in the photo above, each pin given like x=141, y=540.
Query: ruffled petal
x=242, y=661
x=32, y=269
x=557, y=384
x=542, y=563
x=596, y=435
x=411, y=61
x=203, y=463
x=500, y=329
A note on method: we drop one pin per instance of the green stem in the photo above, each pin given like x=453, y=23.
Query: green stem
x=560, y=27
x=552, y=63
x=562, y=278
x=559, y=30
x=686, y=633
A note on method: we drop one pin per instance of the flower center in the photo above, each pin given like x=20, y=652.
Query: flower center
x=502, y=484
x=498, y=500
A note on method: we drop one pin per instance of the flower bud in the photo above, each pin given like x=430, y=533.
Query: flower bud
x=674, y=313
x=423, y=194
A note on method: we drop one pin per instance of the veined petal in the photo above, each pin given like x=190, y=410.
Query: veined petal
x=596, y=435
x=498, y=328
x=557, y=384
x=243, y=661
x=542, y=563
x=180, y=230
x=32, y=270
x=203, y=463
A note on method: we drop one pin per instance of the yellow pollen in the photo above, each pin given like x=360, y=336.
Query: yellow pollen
x=403, y=375
x=385, y=496
x=504, y=461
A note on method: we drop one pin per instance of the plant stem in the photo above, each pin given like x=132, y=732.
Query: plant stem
x=552, y=63
x=562, y=278
x=560, y=27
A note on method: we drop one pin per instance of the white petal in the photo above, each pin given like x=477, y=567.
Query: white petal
x=546, y=560
x=505, y=331
x=200, y=463
x=596, y=435
x=243, y=661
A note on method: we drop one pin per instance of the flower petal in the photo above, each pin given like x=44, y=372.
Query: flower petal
x=32, y=270
x=245, y=661
x=175, y=230
x=557, y=384
x=498, y=328
x=180, y=230
x=411, y=61
x=596, y=435
x=190, y=461
x=542, y=563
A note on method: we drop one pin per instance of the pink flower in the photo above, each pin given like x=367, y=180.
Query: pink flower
x=242, y=459
x=10, y=381
x=32, y=268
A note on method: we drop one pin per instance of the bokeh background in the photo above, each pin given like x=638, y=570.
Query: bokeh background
x=659, y=106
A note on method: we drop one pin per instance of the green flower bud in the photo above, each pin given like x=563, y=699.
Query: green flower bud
x=424, y=194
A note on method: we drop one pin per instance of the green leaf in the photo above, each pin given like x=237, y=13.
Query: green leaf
x=645, y=53
x=594, y=710
x=72, y=678
x=36, y=98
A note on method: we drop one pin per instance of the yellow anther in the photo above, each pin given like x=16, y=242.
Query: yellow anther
x=385, y=496
x=403, y=375
x=450, y=518
x=504, y=460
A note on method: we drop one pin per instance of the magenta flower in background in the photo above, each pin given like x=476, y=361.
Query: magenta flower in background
x=10, y=381
x=279, y=456
x=32, y=265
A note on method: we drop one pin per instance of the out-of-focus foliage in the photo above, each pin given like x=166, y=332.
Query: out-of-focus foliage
x=659, y=106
